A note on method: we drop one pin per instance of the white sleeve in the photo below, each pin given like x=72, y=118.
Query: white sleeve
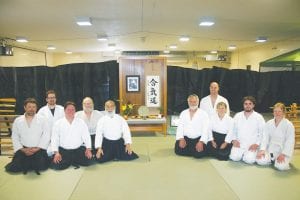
x=85, y=135
x=261, y=126
x=265, y=138
x=235, y=128
x=45, y=138
x=126, y=132
x=16, y=138
x=179, y=131
x=288, y=146
x=205, y=130
x=55, y=137
x=209, y=132
x=229, y=135
x=99, y=133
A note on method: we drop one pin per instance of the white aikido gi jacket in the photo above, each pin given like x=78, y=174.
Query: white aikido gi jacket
x=278, y=140
x=112, y=128
x=92, y=122
x=222, y=126
x=46, y=112
x=195, y=127
x=206, y=105
x=247, y=131
x=70, y=136
x=35, y=134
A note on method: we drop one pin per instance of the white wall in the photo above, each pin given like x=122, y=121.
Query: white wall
x=253, y=56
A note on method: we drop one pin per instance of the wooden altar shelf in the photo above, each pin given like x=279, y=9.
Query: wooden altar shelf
x=148, y=125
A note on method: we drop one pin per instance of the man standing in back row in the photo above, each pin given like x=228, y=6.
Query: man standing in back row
x=91, y=117
x=209, y=103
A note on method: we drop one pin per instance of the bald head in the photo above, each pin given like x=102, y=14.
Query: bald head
x=214, y=88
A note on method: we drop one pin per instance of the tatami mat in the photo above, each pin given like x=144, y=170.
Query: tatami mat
x=157, y=174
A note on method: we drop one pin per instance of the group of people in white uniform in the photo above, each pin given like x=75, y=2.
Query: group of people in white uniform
x=210, y=131
x=59, y=137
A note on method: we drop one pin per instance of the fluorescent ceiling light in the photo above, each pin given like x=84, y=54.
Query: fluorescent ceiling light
x=68, y=52
x=261, y=39
x=51, y=47
x=21, y=39
x=184, y=39
x=231, y=47
x=102, y=38
x=213, y=51
x=166, y=51
x=206, y=23
x=84, y=21
x=173, y=46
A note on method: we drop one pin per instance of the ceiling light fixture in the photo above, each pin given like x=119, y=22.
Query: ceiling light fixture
x=68, y=52
x=231, y=47
x=173, y=46
x=206, y=23
x=102, y=38
x=166, y=51
x=214, y=51
x=51, y=47
x=184, y=39
x=21, y=39
x=84, y=21
x=261, y=39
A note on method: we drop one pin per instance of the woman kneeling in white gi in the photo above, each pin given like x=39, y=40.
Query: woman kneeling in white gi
x=113, y=138
x=220, y=133
x=278, y=140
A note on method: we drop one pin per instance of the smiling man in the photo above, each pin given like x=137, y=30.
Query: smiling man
x=30, y=137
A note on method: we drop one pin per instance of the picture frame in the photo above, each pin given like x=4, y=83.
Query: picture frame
x=132, y=83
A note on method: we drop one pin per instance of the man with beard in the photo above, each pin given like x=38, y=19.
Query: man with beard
x=30, y=137
x=209, y=103
x=192, y=130
x=113, y=137
x=70, y=141
x=247, y=132
x=51, y=111
x=90, y=117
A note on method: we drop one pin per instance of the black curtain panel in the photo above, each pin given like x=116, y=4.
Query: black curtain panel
x=267, y=87
x=101, y=82
x=71, y=82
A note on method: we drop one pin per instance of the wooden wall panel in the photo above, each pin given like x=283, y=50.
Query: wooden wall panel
x=143, y=66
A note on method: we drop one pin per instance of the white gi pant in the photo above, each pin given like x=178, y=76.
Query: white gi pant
x=242, y=153
x=267, y=159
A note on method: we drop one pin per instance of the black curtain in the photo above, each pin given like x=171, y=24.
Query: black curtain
x=267, y=87
x=101, y=82
x=70, y=82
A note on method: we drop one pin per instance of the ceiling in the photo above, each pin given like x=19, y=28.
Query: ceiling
x=148, y=25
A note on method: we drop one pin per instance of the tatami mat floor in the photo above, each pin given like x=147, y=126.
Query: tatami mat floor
x=157, y=174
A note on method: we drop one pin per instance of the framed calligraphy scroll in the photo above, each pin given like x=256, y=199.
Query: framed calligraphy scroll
x=153, y=91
